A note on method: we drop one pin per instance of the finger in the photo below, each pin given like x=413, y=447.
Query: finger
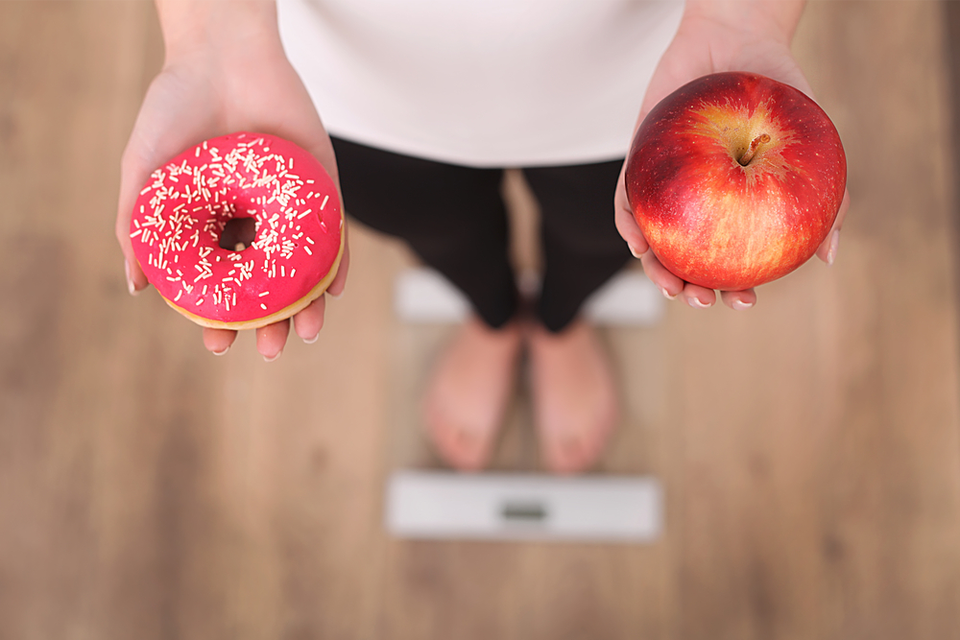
x=271, y=339
x=828, y=249
x=340, y=280
x=698, y=297
x=630, y=232
x=739, y=300
x=307, y=323
x=136, y=280
x=670, y=285
x=218, y=341
x=626, y=224
x=132, y=173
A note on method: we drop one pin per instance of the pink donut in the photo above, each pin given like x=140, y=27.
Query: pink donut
x=240, y=231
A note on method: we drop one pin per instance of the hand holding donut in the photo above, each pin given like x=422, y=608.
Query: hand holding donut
x=713, y=37
x=225, y=72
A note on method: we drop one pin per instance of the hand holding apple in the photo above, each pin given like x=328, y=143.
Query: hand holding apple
x=735, y=179
x=748, y=35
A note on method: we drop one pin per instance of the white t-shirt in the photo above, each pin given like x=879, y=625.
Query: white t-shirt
x=481, y=83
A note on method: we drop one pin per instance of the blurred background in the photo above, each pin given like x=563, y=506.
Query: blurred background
x=809, y=449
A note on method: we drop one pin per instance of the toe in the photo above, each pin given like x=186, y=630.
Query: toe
x=458, y=446
x=466, y=452
x=570, y=455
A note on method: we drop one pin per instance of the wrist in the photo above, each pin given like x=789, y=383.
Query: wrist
x=198, y=26
x=767, y=19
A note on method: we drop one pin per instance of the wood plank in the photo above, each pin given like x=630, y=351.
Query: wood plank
x=154, y=490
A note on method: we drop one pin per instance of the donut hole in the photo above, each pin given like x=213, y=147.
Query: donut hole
x=238, y=234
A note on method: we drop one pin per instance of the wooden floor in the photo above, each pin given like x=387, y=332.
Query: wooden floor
x=810, y=449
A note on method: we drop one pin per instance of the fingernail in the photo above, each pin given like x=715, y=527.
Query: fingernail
x=834, y=243
x=666, y=294
x=335, y=296
x=312, y=340
x=636, y=254
x=220, y=353
x=272, y=358
x=130, y=286
x=740, y=305
x=696, y=303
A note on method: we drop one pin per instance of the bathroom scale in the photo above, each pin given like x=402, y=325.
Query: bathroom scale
x=495, y=506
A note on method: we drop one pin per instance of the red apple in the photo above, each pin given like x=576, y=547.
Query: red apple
x=735, y=180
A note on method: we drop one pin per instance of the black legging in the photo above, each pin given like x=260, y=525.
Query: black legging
x=454, y=218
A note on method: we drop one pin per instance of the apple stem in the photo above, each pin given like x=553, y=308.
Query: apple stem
x=752, y=151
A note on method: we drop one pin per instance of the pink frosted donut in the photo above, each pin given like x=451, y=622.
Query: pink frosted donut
x=240, y=231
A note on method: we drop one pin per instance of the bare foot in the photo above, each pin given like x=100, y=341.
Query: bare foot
x=574, y=396
x=469, y=391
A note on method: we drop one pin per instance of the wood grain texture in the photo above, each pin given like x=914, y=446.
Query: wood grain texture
x=810, y=449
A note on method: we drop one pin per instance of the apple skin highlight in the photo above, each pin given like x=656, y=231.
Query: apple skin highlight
x=723, y=215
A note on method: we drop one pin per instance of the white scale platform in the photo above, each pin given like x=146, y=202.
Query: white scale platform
x=422, y=295
x=448, y=505
x=529, y=507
